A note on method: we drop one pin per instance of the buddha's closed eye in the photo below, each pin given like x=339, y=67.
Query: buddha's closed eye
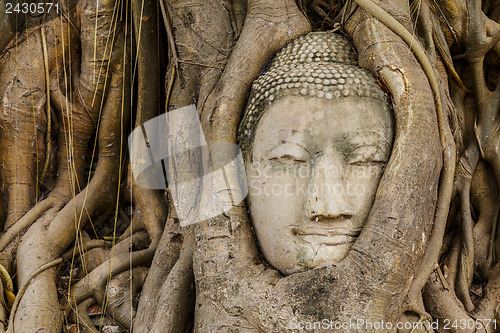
x=288, y=151
x=370, y=154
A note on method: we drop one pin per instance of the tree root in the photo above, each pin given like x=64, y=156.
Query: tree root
x=48, y=145
x=93, y=284
x=468, y=163
x=164, y=259
x=89, y=245
x=176, y=299
x=443, y=303
x=82, y=318
x=9, y=241
x=449, y=156
x=122, y=291
x=139, y=240
x=276, y=22
x=22, y=290
x=488, y=305
x=450, y=262
x=50, y=238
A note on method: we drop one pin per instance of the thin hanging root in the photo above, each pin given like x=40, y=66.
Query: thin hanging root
x=430, y=258
x=49, y=117
x=484, y=198
x=23, y=289
x=416, y=326
x=170, y=35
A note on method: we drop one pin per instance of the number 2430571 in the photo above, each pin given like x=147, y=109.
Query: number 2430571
x=469, y=324
x=31, y=8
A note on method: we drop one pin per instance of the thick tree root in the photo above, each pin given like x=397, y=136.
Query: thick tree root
x=122, y=290
x=22, y=290
x=176, y=298
x=164, y=259
x=449, y=158
x=51, y=238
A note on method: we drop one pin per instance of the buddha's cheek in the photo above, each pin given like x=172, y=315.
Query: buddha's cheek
x=276, y=199
x=362, y=187
x=276, y=203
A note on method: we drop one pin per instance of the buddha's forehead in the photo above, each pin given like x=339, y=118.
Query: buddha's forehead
x=315, y=121
x=296, y=113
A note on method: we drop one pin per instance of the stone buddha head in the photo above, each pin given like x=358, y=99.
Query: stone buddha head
x=316, y=135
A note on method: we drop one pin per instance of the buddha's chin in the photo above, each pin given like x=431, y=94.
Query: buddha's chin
x=313, y=256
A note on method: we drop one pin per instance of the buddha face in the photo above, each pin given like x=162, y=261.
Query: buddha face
x=312, y=172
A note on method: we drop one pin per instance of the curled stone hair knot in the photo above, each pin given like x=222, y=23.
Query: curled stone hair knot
x=319, y=65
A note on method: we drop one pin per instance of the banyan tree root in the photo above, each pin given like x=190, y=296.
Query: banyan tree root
x=166, y=256
x=256, y=297
x=49, y=238
x=122, y=292
x=79, y=112
x=176, y=298
x=277, y=23
x=121, y=257
x=484, y=36
x=24, y=116
x=78, y=115
x=82, y=319
x=484, y=196
x=471, y=255
x=26, y=122
x=196, y=60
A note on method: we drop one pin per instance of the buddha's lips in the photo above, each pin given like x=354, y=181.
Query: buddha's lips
x=329, y=237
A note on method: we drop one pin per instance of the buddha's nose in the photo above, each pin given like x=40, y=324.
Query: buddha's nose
x=327, y=196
